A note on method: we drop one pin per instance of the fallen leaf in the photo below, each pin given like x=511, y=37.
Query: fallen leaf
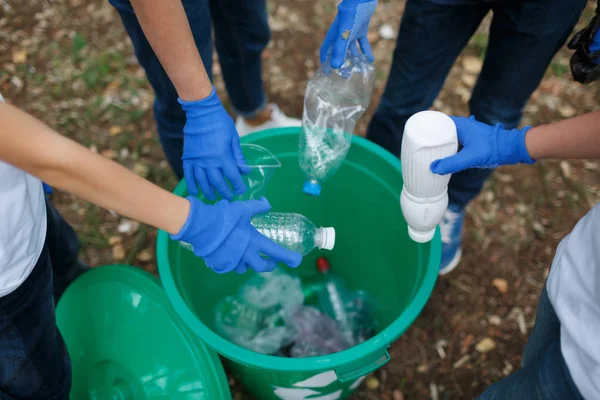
x=114, y=240
x=500, y=284
x=19, y=56
x=466, y=343
x=538, y=228
x=468, y=80
x=485, y=345
x=397, y=395
x=345, y=35
x=461, y=361
x=472, y=64
x=114, y=130
x=144, y=255
x=372, y=383
x=565, y=167
x=118, y=252
x=495, y=320
x=423, y=368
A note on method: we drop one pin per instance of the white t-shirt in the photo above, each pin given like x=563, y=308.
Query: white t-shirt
x=574, y=290
x=22, y=225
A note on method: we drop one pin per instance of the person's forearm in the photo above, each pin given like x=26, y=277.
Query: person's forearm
x=572, y=138
x=168, y=31
x=33, y=147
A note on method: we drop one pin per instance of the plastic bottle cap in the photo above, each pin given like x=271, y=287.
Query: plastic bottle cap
x=420, y=236
x=312, y=188
x=328, y=238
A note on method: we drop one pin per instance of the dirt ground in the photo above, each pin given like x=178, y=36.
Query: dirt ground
x=70, y=63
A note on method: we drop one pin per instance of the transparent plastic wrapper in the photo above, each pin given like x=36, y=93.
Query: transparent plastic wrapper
x=334, y=101
x=252, y=328
x=317, y=334
x=271, y=290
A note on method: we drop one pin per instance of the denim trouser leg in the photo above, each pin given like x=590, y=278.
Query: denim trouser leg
x=34, y=363
x=63, y=248
x=523, y=39
x=544, y=375
x=241, y=33
x=430, y=38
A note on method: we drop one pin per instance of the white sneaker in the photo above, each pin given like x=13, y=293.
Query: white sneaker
x=278, y=120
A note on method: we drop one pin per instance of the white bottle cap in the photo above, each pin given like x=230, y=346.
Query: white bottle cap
x=328, y=238
x=420, y=236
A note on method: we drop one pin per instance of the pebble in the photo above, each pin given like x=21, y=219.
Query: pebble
x=485, y=345
x=118, y=252
x=500, y=284
x=372, y=383
x=386, y=32
x=144, y=255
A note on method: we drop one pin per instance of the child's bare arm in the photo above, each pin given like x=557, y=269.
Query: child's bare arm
x=33, y=147
x=577, y=137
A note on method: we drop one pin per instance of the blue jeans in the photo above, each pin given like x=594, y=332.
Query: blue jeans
x=241, y=34
x=544, y=374
x=34, y=362
x=524, y=36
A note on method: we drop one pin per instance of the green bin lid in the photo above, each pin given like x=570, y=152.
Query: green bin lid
x=127, y=342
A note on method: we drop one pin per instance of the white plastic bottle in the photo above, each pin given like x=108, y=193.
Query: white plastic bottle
x=428, y=136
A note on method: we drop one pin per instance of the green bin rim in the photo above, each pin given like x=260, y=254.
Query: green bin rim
x=249, y=358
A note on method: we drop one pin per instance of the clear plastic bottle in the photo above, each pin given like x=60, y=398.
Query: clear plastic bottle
x=334, y=101
x=292, y=231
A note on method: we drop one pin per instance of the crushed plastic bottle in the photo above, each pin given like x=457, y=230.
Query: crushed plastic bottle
x=334, y=101
x=292, y=231
x=353, y=311
x=317, y=334
x=252, y=328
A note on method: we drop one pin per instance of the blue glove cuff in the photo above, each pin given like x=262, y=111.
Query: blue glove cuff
x=524, y=153
x=199, y=108
x=202, y=222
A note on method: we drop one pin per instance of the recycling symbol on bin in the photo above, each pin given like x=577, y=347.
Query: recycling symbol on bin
x=314, y=388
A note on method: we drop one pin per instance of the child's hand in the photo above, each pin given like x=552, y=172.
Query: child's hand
x=223, y=236
x=350, y=26
x=211, y=149
x=484, y=146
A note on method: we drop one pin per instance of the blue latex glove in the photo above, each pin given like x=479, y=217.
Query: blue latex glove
x=484, y=146
x=47, y=189
x=350, y=25
x=223, y=236
x=211, y=149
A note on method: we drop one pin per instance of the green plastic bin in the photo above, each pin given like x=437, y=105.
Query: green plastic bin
x=126, y=342
x=372, y=252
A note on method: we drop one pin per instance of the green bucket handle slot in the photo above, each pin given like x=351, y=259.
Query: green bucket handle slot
x=376, y=363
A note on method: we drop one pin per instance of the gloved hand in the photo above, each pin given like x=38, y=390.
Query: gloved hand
x=484, y=146
x=223, y=236
x=211, y=149
x=595, y=46
x=350, y=25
